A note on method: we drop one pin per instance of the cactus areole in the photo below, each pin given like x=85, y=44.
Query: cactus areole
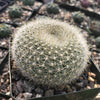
x=50, y=52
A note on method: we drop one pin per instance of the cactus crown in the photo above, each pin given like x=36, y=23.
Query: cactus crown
x=51, y=52
x=5, y=30
x=15, y=11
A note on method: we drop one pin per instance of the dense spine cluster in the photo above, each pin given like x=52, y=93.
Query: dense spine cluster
x=50, y=52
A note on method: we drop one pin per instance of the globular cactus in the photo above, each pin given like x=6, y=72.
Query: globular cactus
x=98, y=2
x=5, y=30
x=52, y=8
x=50, y=52
x=28, y=2
x=85, y=3
x=97, y=41
x=78, y=17
x=95, y=27
x=15, y=11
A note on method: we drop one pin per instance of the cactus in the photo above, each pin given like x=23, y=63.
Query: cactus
x=5, y=30
x=50, y=52
x=78, y=17
x=85, y=3
x=28, y=2
x=95, y=27
x=97, y=41
x=52, y=8
x=15, y=11
x=98, y=2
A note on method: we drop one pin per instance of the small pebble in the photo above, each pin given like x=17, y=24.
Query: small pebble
x=98, y=97
x=88, y=87
x=8, y=88
x=20, y=95
x=7, y=81
x=79, y=85
x=6, y=73
x=92, y=74
x=96, y=85
x=1, y=54
x=2, y=80
x=27, y=95
x=18, y=98
x=3, y=99
x=90, y=9
x=3, y=43
x=67, y=15
x=94, y=53
x=39, y=91
x=8, y=93
x=38, y=95
x=64, y=92
x=91, y=79
x=10, y=99
x=49, y=93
